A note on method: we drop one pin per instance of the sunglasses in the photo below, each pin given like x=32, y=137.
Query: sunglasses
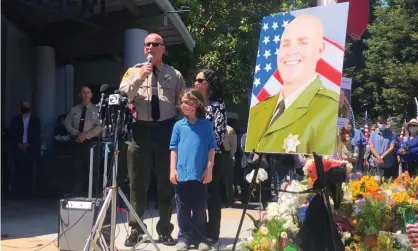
x=200, y=80
x=154, y=44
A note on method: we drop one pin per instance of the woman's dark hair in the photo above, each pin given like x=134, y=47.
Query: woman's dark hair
x=214, y=85
x=196, y=97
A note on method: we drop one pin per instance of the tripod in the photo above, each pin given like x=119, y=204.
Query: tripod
x=111, y=197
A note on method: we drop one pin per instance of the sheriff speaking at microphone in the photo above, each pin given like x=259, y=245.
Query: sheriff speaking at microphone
x=154, y=88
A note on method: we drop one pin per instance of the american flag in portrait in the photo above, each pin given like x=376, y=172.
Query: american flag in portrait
x=267, y=81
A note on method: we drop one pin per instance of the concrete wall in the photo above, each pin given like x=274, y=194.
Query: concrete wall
x=20, y=71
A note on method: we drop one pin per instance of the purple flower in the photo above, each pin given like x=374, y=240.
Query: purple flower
x=357, y=206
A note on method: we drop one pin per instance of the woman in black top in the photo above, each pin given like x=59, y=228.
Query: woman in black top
x=210, y=86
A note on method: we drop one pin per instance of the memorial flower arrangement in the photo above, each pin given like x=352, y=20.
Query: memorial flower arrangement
x=279, y=225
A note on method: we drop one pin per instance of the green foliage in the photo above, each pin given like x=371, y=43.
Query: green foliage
x=227, y=34
x=384, y=66
x=371, y=216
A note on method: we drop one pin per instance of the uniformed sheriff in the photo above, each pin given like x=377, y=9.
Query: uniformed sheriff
x=154, y=88
x=83, y=125
x=302, y=117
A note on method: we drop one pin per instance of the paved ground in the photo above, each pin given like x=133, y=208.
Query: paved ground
x=33, y=225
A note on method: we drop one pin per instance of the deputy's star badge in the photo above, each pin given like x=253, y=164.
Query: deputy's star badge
x=290, y=143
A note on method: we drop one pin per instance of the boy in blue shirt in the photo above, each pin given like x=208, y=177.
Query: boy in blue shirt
x=191, y=161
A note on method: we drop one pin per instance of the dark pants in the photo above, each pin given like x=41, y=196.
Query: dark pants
x=412, y=168
x=191, y=199
x=227, y=189
x=390, y=172
x=24, y=172
x=213, y=225
x=81, y=169
x=153, y=142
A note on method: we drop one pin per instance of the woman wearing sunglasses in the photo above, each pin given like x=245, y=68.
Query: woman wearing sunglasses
x=211, y=88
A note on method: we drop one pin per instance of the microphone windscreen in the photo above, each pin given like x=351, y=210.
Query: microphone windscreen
x=104, y=87
x=123, y=94
x=149, y=58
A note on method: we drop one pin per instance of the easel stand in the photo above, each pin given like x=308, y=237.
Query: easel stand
x=257, y=160
x=111, y=197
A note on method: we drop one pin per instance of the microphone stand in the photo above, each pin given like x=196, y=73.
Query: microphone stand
x=112, y=193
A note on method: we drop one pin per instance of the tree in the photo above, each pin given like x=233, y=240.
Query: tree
x=389, y=78
x=227, y=34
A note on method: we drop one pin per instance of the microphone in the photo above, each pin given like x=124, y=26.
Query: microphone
x=149, y=58
x=104, y=88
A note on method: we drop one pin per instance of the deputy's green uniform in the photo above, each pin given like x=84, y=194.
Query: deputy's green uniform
x=312, y=117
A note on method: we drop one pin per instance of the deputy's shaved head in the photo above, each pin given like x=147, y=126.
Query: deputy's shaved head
x=300, y=49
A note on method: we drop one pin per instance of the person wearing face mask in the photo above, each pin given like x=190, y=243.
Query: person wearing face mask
x=359, y=142
x=408, y=149
x=382, y=145
x=25, y=132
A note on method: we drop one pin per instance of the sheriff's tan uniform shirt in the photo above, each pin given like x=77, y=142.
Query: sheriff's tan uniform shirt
x=170, y=85
x=230, y=141
x=92, y=125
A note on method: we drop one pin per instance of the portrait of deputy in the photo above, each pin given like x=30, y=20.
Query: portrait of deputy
x=302, y=117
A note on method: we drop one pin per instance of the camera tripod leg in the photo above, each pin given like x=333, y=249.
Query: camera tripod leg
x=141, y=224
x=98, y=224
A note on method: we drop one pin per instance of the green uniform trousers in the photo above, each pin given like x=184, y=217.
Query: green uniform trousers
x=153, y=140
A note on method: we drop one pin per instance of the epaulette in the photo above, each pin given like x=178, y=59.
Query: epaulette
x=328, y=93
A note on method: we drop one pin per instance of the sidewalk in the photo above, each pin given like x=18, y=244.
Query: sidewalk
x=32, y=225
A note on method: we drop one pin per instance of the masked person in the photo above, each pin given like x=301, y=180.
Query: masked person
x=25, y=137
x=408, y=150
x=154, y=88
x=382, y=145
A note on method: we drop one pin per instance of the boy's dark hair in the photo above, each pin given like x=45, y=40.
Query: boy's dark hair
x=195, y=96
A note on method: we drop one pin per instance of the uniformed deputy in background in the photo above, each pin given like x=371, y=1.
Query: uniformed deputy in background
x=83, y=125
x=154, y=88
x=230, y=146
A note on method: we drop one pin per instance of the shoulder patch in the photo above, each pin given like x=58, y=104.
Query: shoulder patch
x=127, y=73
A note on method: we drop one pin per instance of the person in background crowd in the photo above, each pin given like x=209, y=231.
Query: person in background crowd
x=155, y=88
x=408, y=150
x=25, y=136
x=5, y=170
x=382, y=145
x=191, y=162
x=358, y=142
x=208, y=83
x=230, y=146
x=83, y=125
x=348, y=152
x=238, y=169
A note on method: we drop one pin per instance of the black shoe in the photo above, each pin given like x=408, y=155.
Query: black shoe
x=133, y=238
x=166, y=240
